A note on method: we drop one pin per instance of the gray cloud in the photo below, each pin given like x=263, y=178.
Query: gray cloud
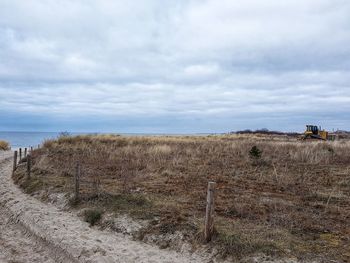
x=207, y=65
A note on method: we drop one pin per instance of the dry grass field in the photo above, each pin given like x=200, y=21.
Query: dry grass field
x=288, y=199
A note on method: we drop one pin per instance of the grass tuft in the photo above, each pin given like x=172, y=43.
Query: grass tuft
x=136, y=205
x=4, y=146
x=32, y=185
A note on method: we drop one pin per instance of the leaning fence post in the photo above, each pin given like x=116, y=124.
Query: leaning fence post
x=77, y=181
x=25, y=152
x=14, y=162
x=20, y=154
x=209, y=215
x=29, y=164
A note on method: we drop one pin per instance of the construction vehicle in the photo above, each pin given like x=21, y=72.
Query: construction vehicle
x=314, y=132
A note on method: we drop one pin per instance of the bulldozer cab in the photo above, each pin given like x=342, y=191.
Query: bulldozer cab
x=312, y=129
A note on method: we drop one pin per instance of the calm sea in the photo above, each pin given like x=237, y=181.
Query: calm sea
x=26, y=139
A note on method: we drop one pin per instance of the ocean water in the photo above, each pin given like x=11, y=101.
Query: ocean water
x=26, y=139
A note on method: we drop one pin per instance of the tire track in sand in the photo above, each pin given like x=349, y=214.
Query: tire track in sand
x=15, y=244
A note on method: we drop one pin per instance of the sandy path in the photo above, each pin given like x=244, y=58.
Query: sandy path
x=15, y=244
x=65, y=237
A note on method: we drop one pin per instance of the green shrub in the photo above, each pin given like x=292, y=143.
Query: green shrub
x=92, y=216
x=255, y=152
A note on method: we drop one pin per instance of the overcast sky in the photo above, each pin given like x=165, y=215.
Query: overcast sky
x=174, y=66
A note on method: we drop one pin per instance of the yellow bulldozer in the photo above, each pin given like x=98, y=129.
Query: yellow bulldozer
x=314, y=132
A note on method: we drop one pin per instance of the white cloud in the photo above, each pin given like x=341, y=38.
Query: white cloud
x=202, y=71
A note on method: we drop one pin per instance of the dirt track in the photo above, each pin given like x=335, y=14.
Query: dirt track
x=15, y=244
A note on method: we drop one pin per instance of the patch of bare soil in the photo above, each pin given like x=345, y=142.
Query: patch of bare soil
x=16, y=246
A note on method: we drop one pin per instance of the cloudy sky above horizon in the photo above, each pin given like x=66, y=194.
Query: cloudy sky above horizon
x=157, y=66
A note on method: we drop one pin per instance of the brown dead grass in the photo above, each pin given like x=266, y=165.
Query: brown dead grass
x=4, y=146
x=293, y=201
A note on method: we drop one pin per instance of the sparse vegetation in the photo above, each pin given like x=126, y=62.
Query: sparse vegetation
x=283, y=207
x=32, y=185
x=4, y=146
x=64, y=134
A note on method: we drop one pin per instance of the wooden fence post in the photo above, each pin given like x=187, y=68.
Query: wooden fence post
x=20, y=154
x=77, y=181
x=29, y=164
x=31, y=148
x=14, y=162
x=25, y=152
x=209, y=215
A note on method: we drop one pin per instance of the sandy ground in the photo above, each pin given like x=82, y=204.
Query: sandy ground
x=15, y=244
x=64, y=236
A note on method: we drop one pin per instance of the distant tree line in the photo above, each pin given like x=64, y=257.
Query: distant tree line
x=265, y=131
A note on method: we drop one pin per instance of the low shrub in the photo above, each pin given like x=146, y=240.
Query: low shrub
x=92, y=216
x=255, y=152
